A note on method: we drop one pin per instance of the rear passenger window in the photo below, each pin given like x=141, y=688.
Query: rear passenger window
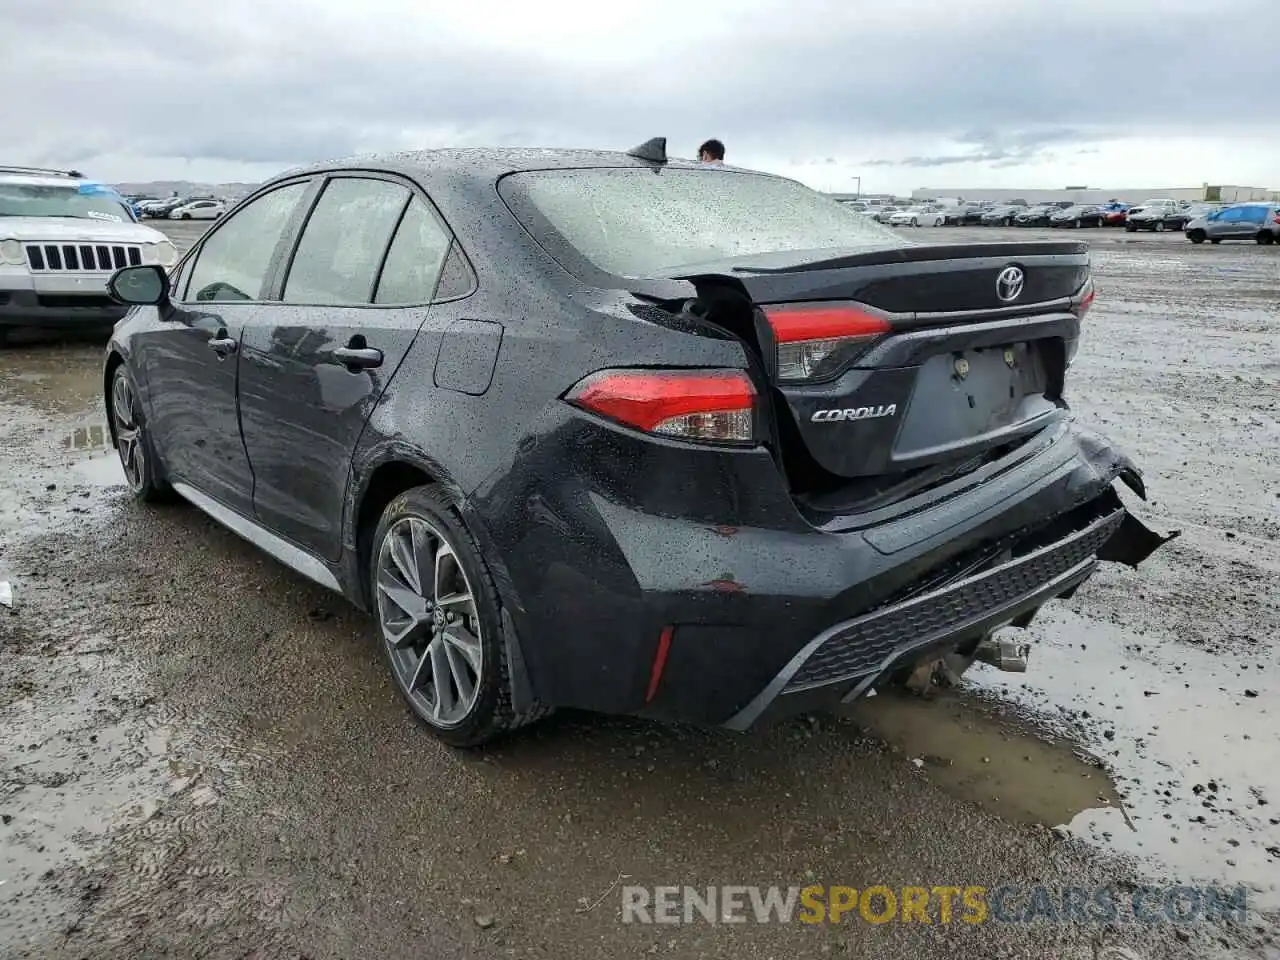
x=456, y=279
x=1255, y=214
x=413, y=263
x=343, y=243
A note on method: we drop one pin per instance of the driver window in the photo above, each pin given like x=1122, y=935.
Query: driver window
x=233, y=264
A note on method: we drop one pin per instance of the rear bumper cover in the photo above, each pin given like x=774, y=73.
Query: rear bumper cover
x=688, y=588
x=843, y=662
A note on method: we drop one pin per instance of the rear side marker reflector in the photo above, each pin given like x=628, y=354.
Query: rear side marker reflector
x=708, y=406
x=659, y=662
x=814, y=340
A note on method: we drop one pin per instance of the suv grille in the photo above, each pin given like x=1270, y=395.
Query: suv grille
x=87, y=257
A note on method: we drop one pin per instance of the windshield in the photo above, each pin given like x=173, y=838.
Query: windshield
x=645, y=222
x=29, y=200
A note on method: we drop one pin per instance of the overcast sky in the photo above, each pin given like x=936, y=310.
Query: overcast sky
x=903, y=94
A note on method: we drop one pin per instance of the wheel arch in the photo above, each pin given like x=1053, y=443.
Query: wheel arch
x=392, y=472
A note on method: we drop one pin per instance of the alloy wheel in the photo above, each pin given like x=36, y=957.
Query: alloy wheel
x=128, y=425
x=427, y=613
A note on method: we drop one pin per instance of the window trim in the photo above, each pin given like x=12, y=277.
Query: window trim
x=193, y=255
x=275, y=292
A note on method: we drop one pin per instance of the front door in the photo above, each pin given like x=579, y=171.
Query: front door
x=313, y=366
x=192, y=356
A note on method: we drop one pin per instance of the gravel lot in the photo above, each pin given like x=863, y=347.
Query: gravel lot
x=201, y=754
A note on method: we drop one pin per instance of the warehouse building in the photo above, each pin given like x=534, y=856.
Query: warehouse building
x=1206, y=192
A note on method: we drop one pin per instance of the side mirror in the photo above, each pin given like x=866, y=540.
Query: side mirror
x=139, y=285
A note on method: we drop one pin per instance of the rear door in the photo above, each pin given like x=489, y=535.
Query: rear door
x=1230, y=225
x=351, y=301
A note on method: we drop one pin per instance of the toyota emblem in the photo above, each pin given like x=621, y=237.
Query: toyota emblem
x=1009, y=284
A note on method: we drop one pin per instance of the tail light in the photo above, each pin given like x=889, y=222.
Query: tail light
x=815, y=341
x=706, y=406
x=1083, y=301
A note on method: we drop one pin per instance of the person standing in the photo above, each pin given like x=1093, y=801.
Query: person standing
x=711, y=152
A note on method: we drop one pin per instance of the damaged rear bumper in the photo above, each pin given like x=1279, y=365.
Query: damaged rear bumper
x=843, y=662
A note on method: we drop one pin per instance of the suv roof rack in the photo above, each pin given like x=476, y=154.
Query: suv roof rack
x=8, y=168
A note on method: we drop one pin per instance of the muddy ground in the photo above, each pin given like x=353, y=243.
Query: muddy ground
x=201, y=754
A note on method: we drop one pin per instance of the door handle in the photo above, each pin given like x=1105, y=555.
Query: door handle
x=360, y=358
x=223, y=345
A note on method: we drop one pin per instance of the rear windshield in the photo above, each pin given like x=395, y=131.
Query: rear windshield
x=637, y=222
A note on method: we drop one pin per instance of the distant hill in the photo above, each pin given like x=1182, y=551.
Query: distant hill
x=185, y=188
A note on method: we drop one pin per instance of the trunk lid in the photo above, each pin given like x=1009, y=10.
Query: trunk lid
x=962, y=351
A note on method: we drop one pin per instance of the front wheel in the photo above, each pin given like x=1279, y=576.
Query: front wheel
x=1196, y=236
x=437, y=611
x=1215, y=239
x=133, y=440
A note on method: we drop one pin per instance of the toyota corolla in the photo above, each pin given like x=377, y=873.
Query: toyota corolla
x=626, y=433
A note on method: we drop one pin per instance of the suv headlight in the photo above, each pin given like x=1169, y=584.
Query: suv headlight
x=162, y=252
x=11, y=252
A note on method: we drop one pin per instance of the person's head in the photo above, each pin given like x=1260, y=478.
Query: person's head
x=711, y=152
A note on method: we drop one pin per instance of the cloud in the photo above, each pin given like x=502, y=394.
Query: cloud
x=251, y=82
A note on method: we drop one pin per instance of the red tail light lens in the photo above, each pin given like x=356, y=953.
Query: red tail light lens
x=814, y=340
x=1081, y=304
x=707, y=406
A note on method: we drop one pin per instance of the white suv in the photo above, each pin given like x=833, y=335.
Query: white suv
x=61, y=239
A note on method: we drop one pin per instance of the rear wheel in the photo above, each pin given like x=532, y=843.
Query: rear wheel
x=1264, y=237
x=186, y=216
x=438, y=614
x=1196, y=236
x=1215, y=239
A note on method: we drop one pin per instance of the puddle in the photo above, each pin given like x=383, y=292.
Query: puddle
x=1191, y=739
x=990, y=754
x=52, y=378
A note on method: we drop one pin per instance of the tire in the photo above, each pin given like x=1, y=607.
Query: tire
x=186, y=216
x=1159, y=227
x=1130, y=228
x=421, y=523
x=132, y=440
x=1196, y=236
x=1215, y=240
x=1264, y=238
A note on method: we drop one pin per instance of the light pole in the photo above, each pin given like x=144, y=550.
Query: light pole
x=858, y=190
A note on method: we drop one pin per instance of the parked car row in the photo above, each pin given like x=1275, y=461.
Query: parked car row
x=180, y=208
x=1215, y=222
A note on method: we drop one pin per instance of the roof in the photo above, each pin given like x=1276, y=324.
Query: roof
x=490, y=163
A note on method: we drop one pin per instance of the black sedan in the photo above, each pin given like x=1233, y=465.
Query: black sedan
x=1037, y=216
x=570, y=448
x=1079, y=216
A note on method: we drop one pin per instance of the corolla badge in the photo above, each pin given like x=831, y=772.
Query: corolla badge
x=1009, y=284
x=855, y=413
